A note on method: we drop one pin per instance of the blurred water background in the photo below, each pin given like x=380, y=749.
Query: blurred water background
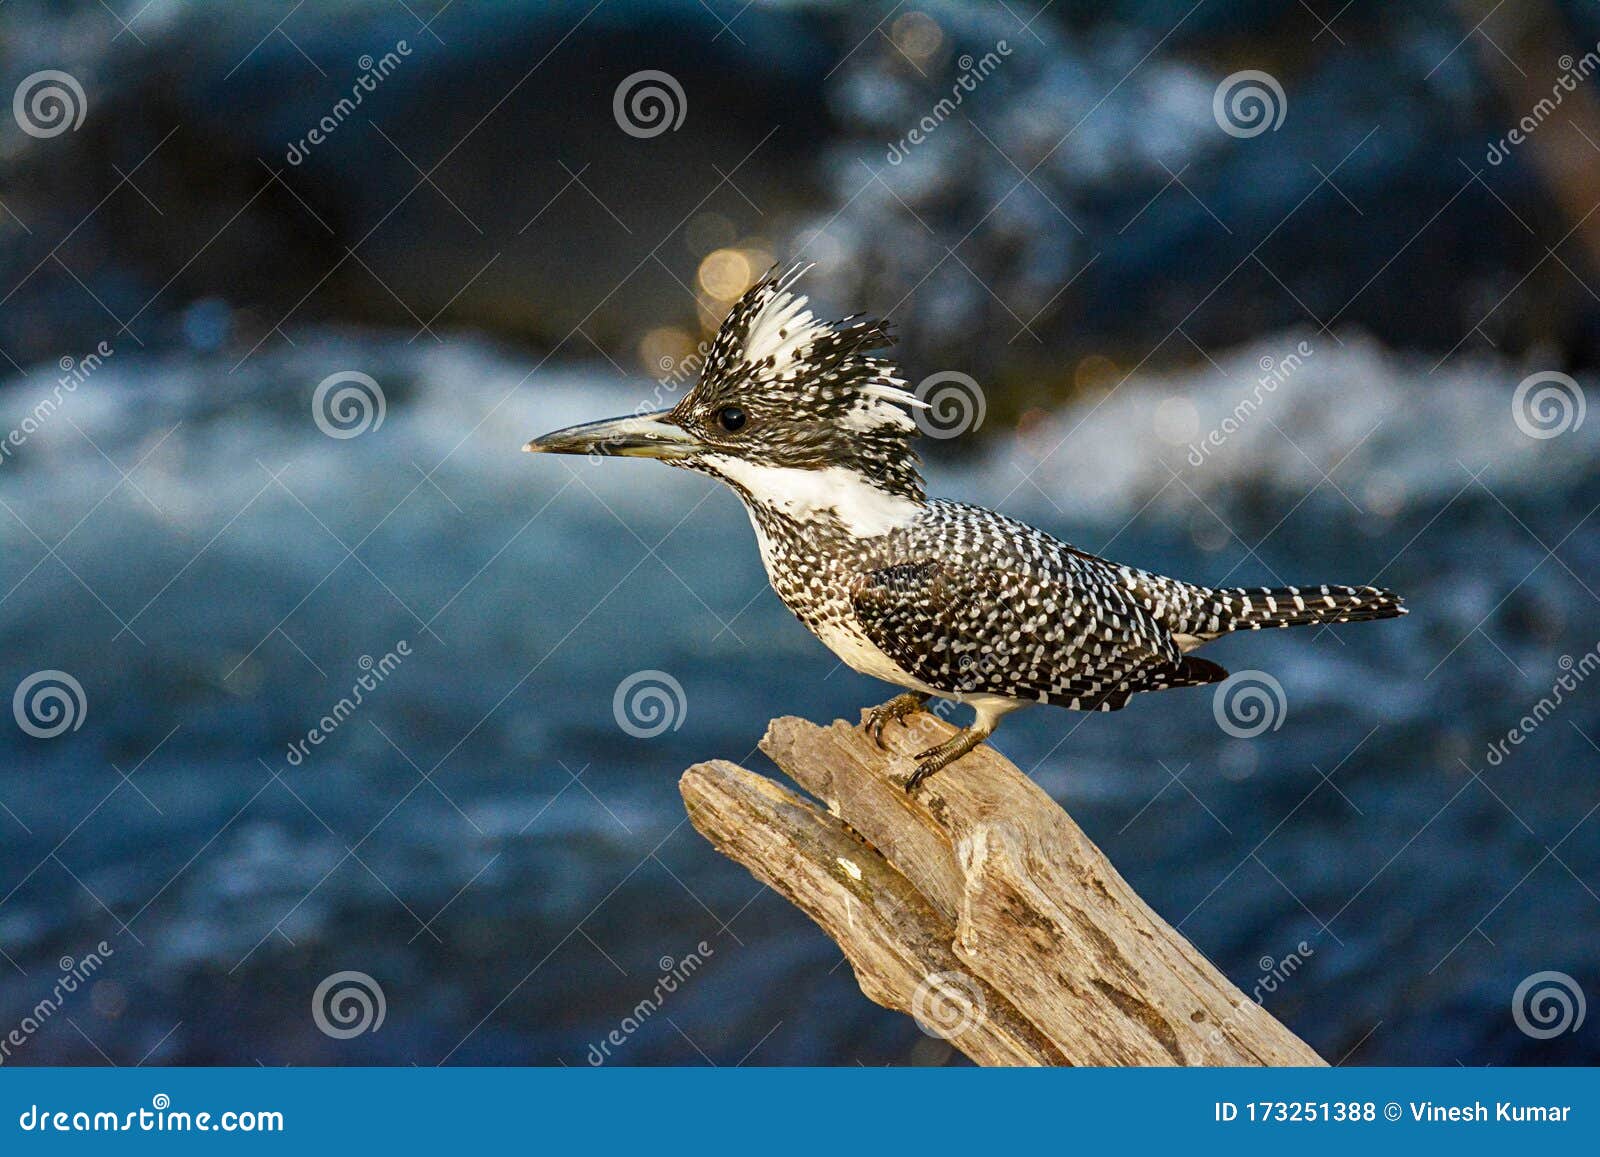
x=484, y=240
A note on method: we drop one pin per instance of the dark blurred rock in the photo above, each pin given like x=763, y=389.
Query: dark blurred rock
x=1142, y=229
x=507, y=116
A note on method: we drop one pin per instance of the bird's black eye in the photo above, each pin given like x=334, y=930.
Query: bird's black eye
x=731, y=418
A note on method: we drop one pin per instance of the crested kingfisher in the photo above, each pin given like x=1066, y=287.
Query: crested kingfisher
x=813, y=433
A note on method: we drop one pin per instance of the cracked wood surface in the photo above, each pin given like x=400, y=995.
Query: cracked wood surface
x=977, y=905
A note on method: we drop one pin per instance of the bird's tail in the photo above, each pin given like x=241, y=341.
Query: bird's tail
x=1252, y=608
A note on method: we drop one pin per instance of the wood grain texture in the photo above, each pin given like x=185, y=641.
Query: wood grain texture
x=977, y=905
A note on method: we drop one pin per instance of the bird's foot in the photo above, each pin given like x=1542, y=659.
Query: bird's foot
x=938, y=758
x=897, y=708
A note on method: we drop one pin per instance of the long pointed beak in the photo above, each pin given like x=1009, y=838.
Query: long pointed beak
x=642, y=436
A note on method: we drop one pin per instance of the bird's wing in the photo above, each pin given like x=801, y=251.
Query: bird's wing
x=1079, y=640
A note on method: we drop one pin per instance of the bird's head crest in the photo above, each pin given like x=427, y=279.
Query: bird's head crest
x=781, y=388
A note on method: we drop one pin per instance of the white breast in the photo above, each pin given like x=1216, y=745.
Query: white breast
x=860, y=653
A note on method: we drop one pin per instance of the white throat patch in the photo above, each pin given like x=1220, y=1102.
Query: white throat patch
x=864, y=509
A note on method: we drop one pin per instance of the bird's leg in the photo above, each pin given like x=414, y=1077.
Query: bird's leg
x=899, y=707
x=937, y=758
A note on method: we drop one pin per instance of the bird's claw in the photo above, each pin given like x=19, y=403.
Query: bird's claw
x=897, y=708
x=920, y=771
x=937, y=758
x=922, y=767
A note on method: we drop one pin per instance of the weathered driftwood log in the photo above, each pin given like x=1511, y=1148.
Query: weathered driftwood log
x=977, y=905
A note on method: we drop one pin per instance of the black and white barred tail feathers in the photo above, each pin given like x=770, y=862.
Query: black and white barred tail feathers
x=1247, y=609
x=1206, y=613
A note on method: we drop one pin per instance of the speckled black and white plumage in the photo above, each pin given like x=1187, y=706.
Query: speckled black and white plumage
x=971, y=604
x=938, y=597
